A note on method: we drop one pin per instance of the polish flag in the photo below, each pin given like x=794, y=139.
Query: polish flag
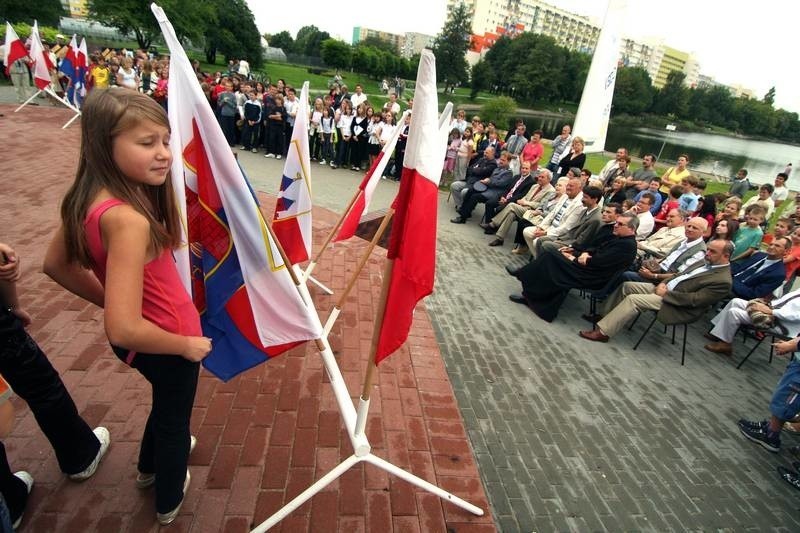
x=292, y=220
x=368, y=185
x=14, y=47
x=413, y=241
x=41, y=60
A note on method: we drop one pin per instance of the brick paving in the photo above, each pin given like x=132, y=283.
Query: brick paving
x=565, y=434
x=262, y=437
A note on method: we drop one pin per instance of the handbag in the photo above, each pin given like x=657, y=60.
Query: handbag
x=760, y=319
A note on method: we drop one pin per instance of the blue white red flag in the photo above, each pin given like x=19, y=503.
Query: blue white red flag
x=412, y=246
x=248, y=303
x=81, y=70
x=292, y=220
x=67, y=66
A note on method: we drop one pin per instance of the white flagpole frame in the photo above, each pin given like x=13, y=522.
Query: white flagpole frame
x=50, y=91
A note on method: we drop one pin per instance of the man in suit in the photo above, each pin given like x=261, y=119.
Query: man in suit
x=536, y=198
x=517, y=191
x=480, y=169
x=660, y=243
x=682, y=299
x=547, y=280
x=561, y=219
x=590, y=243
x=761, y=273
x=785, y=312
x=588, y=223
x=491, y=188
x=690, y=250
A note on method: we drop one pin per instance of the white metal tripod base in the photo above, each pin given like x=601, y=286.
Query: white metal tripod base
x=316, y=282
x=49, y=91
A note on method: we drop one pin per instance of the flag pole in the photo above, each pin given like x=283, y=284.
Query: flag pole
x=332, y=234
x=337, y=307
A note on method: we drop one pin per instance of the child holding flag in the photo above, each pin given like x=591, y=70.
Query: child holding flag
x=120, y=219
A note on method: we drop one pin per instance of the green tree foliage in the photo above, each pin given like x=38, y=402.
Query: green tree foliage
x=190, y=18
x=46, y=12
x=633, y=91
x=498, y=110
x=450, y=47
x=481, y=78
x=769, y=98
x=337, y=54
x=380, y=44
x=234, y=35
x=23, y=30
x=673, y=98
x=282, y=40
x=309, y=41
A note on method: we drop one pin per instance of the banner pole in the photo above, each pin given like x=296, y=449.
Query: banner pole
x=29, y=100
x=337, y=308
x=332, y=234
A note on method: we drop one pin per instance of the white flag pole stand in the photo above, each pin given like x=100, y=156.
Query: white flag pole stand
x=315, y=281
x=355, y=422
x=50, y=91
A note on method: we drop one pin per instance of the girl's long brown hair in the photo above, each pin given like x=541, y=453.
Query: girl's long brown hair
x=105, y=114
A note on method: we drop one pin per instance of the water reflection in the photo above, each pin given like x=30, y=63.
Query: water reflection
x=713, y=154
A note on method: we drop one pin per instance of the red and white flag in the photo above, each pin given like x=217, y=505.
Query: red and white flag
x=368, y=185
x=413, y=239
x=14, y=47
x=41, y=60
x=292, y=220
x=248, y=302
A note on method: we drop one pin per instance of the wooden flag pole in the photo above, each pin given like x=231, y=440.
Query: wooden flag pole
x=337, y=308
x=332, y=234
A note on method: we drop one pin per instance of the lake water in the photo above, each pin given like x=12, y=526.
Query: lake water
x=712, y=154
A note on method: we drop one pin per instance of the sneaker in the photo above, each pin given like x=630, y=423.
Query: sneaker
x=322, y=162
x=242, y=148
x=278, y=157
x=789, y=476
x=105, y=441
x=354, y=168
x=167, y=518
x=28, y=480
x=269, y=156
x=254, y=150
x=742, y=423
x=144, y=481
x=770, y=441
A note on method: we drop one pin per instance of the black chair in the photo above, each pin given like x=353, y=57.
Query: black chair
x=599, y=295
x=759, y=334
x=655, y=317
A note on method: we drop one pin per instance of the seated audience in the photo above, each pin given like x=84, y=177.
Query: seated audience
x=707, y=210
x=591, y=243
x=547, y=280
x=646, y=220
x=665, y=239
x=725, y=229
x=575, y=158
x=610, y=169
x=689, y=199
x=682, y=299
x=481, y=169
x=730, y=208
x=655, y=183
x=781, y=316
x=792, y=258
x=674, y=175
x=761, y=273
x=534, y=218
x=783, y=227
x=620, y=171
x=763, y=199
x=486, y=189
x=534, y=203
x=780, y=193
x=641, y=178
x=740, y=184
x=518, y=190
x=670, y=203
x=585, y=229
x=562, y=219
x=615, y=193
x=748, y=238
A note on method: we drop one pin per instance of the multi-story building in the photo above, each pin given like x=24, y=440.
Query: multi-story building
x=78, y=9
x=360, y=33
x=415, y=43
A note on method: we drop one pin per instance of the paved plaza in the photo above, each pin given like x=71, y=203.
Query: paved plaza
x=562, y=434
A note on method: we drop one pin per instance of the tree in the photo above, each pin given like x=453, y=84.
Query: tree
x=47, y=12
x=190, y=18
x=769, y=98
x=378, y=43
x=450, y=47
x=309, y=41
x=673, y=98
x=235, y=34
x=633, y=91
x=282, y=40
x=481, y=78
x=336, y=53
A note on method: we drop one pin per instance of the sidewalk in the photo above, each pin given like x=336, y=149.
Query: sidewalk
x=263, y=437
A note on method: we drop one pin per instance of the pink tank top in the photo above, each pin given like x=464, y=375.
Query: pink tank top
x=165, y=302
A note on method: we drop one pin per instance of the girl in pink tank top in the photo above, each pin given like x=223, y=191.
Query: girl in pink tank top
x=119, y=219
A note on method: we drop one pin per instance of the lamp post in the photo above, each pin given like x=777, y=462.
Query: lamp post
x=670, y=127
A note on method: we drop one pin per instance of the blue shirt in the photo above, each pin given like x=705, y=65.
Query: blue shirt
x=656, y=207
x=688, y=202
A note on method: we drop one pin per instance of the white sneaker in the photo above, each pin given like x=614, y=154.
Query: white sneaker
x=269, y=156
x=104, y=437
x=278, y=157
x=322, y=162
x=144, y=481
x=254, y=150
x=242, y=148
x=167, y=518
x=28, y=480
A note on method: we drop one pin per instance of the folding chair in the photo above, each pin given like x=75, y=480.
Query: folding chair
x=759, y=339
x=655, y=317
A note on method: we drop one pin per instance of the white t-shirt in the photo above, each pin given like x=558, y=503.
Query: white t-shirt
x=358, y=99
x=387, y=130
x=780, y=194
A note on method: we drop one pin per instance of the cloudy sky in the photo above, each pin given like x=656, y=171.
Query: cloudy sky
x=736, y=42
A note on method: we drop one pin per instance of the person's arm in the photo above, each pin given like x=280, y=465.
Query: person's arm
x=70, y=275
x=784, y=347
x=128, y=236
